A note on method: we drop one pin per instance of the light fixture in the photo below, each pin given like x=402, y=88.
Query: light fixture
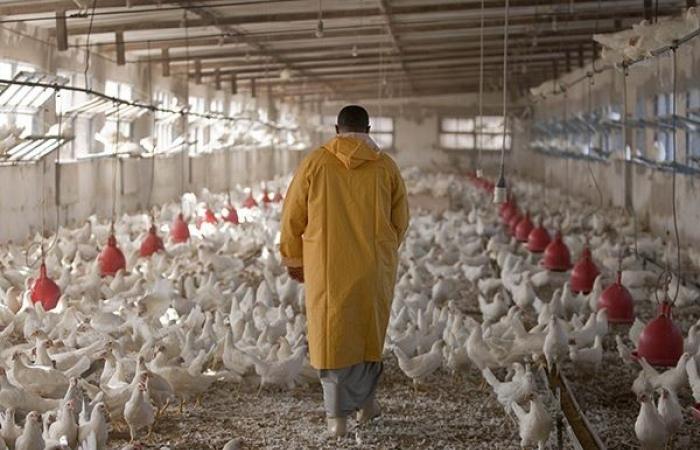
x=354, y=51
x=500, y=191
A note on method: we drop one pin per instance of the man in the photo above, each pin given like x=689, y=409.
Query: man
x=344, y=216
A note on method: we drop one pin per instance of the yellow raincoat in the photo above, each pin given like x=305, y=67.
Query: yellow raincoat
x=344, y=216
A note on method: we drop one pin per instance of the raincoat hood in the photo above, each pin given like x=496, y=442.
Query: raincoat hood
x=353, y=149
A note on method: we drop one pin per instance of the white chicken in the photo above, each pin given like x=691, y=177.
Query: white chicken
x=138, y=411
x=535, y=425
x=422, y=366
x=650, y=427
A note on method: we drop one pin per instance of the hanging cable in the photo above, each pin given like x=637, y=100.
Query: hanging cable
x=87, y=40
x=115, y=169
x=674, y=69
x=186, y=148
x=590, y=143
x=479, y=172
x=625, y=144
x=319, y=25
x=154, y=136
x=500, y=191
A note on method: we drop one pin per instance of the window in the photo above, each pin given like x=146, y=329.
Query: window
x=663, y=138
x=164, y=132
x=196, y=124
x=122, y=91
x=327, y=128
x=382, y=131
x=471, y=133
x=218, y=131
x=26, y=120
x=640, y=138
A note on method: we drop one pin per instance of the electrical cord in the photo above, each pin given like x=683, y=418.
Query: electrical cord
x=674, y=70
x=481, y=89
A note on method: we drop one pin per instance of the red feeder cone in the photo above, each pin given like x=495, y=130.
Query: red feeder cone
x=45, y=290
x=209, y=217
x=538, y=239
x=507, y=209
x=523, y=229
x=695, y=409
x=232, y=215
x=179, y=231
x=266, y=197
x=618, y=301
x=556, y=256
x=151, y=244
x=584, y=274
x=250, y=201
x=513, y=223
x=111, y=259
x=661, y=341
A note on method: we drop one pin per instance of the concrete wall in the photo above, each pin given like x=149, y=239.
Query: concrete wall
x=417, y=134
x=85, y=186
x=625, y=184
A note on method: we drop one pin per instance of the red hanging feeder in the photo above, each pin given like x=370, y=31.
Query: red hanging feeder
x=507, y=209
x=661, y=341
x=538, y=239
x=231, y=215
x=209, y=217
x=151, y=244
x=695, y=409
x=266, y=200
x=250, y=202
x=513, y=222
x=618, y=301
x=111, y=258
x=179, y=231
x=556, y=256
x=523, y=229
x=45, y=290
x=584, y=274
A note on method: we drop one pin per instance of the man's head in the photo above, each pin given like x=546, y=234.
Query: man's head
x=352, y=119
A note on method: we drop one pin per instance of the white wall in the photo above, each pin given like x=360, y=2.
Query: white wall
x=416, y=129
x=625, y=184
x=86, y=186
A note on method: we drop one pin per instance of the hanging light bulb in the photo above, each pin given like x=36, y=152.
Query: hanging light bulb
x=500, y=190
x=354, y=51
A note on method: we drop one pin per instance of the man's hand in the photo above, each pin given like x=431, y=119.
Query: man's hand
x=296, y=273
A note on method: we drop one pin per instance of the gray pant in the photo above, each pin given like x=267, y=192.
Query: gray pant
x=348, y=389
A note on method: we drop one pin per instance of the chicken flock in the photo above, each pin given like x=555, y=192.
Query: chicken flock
x=122, y=351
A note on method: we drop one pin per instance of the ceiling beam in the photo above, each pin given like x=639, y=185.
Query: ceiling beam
x=212, y=18
x=495, y=17
x=386, y=12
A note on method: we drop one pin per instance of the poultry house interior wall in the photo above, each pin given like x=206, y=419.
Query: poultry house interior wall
x=417, y=129
x=624, y=184
x=86, y=185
